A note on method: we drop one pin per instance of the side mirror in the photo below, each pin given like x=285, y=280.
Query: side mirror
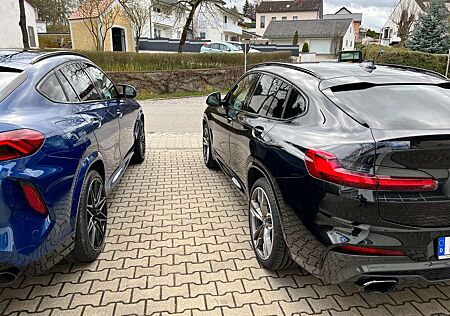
x=214, y=99
x=127, y=91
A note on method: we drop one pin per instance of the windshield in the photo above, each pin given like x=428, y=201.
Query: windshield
x=399, y=106
x=235, y=46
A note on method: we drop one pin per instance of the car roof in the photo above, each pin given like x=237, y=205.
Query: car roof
x=20, y=60
x=333, y=73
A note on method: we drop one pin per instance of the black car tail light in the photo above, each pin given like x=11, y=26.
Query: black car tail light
x=371, y=251
x=34, y=199
x=326, y=166
x=19, y=143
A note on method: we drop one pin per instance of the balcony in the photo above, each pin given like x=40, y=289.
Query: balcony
x=232, y=28
x=163, y=19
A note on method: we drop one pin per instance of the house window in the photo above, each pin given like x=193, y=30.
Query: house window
x=386, y=33
x=178, y=34
x=295, y=17
x=202, y=35
x=31, y=37
x=225, y=19
x=156, y=9
x=346, y=42
x=274, y=18
x=351, y=43
x=226, y=38
x=284, y=18
x=263, y=21
x=157, y=33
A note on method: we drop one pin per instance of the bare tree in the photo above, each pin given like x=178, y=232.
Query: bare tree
x=139, y=13
x=23, y=25
x=192, y=6
x=336, y=43
x=403, y=17
x=99, y=19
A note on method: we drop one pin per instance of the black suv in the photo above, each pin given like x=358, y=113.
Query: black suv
x=345, y=168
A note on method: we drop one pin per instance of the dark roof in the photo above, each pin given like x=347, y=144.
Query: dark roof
x=334, y=73
x=290, y=6
x=307, y=28
x=21, y=59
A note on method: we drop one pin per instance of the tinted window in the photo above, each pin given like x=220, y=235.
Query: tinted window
x=295, y=106
x=399, y=106
x=223, y=47
x=241, y=91
x=214, y=46
x=104, y=85
x=80, y=81
x=70, y=93
x=269, y=97
x=52, y=89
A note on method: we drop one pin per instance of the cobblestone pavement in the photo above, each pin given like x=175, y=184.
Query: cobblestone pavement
x=178, y=243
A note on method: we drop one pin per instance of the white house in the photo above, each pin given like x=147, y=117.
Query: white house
x=217, y=23
x=167, y=19
x=212, y=22
x=389, y=32
x=344, y=13
x=268, y=11
x=323, y=36
x=11, y=36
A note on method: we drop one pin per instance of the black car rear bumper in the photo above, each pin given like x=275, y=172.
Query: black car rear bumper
x=340, y=267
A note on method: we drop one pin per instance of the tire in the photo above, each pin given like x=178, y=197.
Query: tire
x=272, y=255
x=91, y=221
x=139, y=145
x=208, y=158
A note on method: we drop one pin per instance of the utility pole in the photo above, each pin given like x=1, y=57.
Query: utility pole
x=448, y=63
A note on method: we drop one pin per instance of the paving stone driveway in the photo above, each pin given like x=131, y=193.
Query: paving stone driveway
x=178, y=243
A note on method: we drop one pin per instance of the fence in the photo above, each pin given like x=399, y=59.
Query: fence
x=194, y=46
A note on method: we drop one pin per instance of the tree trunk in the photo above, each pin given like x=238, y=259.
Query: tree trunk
x=23, y=25
x=187, y=25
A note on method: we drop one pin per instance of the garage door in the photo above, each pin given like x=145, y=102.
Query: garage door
x=320, y=46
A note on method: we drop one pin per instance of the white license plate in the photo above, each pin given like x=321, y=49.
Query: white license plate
x=443, y=248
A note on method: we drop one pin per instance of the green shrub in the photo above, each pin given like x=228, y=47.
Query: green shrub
x=124, y=61
x=305, y=48
x=401, y=56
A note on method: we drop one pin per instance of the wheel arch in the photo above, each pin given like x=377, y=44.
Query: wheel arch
x=94, y=161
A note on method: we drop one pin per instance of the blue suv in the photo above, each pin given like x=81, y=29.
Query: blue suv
x=67, y=134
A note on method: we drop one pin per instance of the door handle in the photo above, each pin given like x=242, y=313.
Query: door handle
x=95, y=121
x=257, y=131
x=119, y=114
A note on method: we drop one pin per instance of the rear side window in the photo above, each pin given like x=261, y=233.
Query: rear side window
x=52, y=89
x=104, y=85
x=70, y=93
x=83, y=86
x=269, y=97
x=295, y=106
x=409, y=106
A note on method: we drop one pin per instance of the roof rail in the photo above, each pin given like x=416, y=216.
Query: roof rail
x=417, y=69
x=46, y=55
x=291, y=66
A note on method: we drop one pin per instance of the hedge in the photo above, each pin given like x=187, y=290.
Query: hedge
x=125, y=61
x=401, y=56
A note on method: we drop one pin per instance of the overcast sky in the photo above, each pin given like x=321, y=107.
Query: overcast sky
x=375, y=12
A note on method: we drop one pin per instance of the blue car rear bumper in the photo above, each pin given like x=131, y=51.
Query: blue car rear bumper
x=30, y=241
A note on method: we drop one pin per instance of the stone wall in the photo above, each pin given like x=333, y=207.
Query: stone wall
x=180, y=80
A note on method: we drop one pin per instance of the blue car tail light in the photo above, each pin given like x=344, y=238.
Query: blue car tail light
x=34, y=199
x=19, y=143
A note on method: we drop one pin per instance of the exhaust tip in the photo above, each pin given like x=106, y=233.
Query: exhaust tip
x=8, y=277
x=377, y=285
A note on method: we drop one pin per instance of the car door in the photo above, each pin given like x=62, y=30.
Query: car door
x=250, y=125
x=125, y=108
x=222, y=116
x=101, y=115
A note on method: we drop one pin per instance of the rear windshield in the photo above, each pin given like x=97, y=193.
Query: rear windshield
x=399, y=106
x=9, y=81
x=6, y=78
